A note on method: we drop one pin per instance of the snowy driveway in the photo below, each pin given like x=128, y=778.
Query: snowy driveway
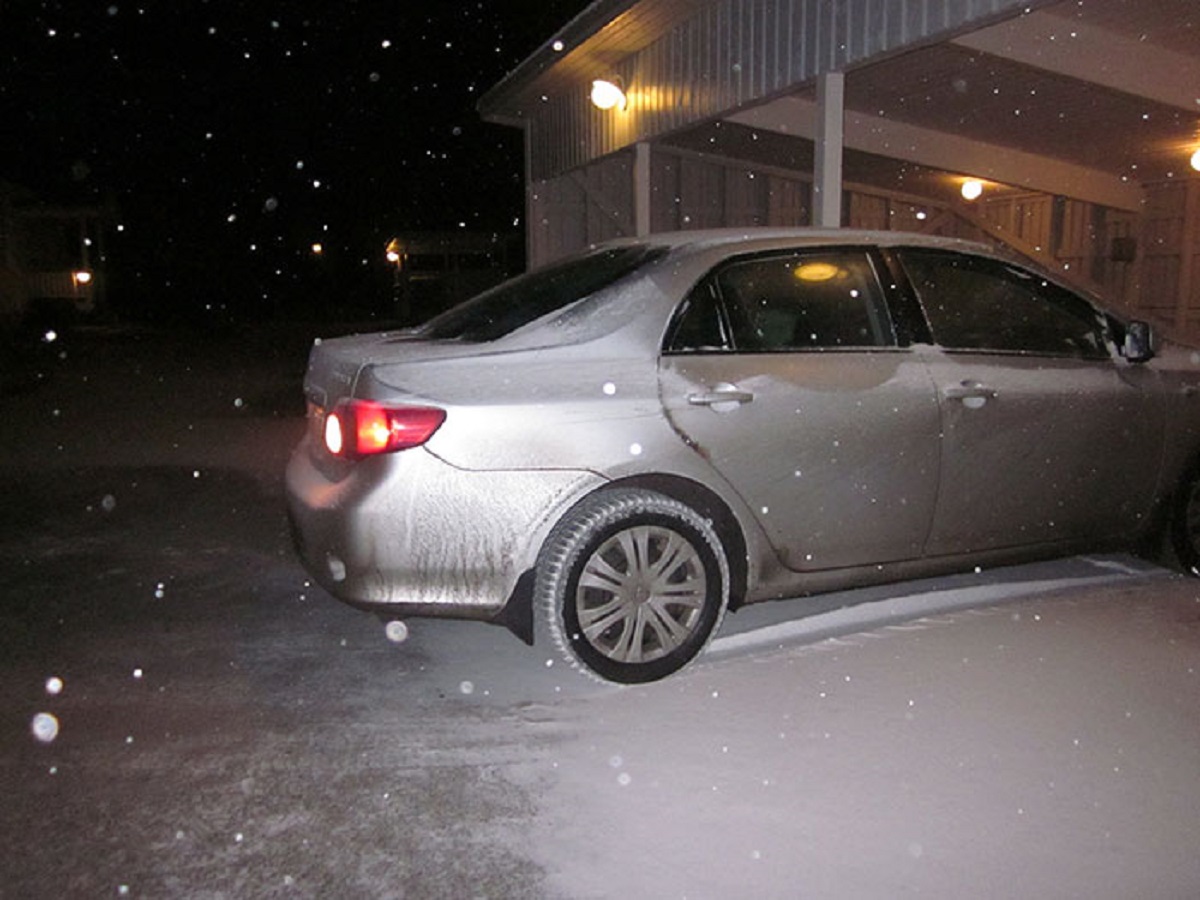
x=223, y=729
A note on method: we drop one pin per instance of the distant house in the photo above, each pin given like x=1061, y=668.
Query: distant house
x=50, y=258
x=432, y=271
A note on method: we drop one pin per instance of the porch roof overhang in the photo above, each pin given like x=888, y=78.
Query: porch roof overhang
x=1090, y=100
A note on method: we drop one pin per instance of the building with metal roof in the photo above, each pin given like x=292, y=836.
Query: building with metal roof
x=1076, y=121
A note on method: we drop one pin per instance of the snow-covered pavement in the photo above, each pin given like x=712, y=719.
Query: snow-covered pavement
x=221, y=728
x=1044, y=746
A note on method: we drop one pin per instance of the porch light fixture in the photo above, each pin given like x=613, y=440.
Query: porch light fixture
x=1196, y=160
x=972, y=189
x=608, y=94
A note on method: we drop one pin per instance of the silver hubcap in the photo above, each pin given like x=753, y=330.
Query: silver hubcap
x=640, y=594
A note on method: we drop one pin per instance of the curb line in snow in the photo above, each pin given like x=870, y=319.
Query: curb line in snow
x=882, y=613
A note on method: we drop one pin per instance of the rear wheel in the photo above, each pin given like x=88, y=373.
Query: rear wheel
x=632, y=585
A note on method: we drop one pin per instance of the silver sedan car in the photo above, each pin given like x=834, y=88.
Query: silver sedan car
x=616, y=449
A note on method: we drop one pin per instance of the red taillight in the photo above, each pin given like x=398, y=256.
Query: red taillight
x=360, y=428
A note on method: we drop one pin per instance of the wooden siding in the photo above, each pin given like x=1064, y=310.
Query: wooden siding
x=1147, y=266
x=1170, y=249
x=693, y=191
x=583, y=207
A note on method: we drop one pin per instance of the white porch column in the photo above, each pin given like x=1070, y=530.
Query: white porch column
x=641, y=189
x=827, y=174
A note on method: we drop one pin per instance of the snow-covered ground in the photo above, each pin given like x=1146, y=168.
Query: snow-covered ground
x=227, y=730
x=1042, y=746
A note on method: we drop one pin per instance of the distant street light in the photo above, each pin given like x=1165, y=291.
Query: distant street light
x=395, y=258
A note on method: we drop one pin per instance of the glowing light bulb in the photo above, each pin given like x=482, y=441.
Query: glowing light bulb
x=608, y=95
x=972, y=189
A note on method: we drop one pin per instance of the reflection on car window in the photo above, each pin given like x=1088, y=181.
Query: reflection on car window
x=529, y=297
x=982, y=304
x=799, y=301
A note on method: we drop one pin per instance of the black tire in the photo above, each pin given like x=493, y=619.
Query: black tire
x=632, y=585
x=1185, y=523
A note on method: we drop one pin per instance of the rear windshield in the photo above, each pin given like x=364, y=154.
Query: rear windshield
x=524, y=299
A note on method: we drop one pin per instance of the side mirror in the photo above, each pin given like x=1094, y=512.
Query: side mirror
x=1139, y=342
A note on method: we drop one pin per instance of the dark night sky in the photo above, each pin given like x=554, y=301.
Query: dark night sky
x=232, y=135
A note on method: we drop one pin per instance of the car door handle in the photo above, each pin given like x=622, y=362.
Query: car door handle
x=720, y=394
x=971, y=393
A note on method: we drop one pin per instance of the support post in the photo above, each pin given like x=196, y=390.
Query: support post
x=830, y=137
x=1184, y=309
x=534, y=241
x=641, y=189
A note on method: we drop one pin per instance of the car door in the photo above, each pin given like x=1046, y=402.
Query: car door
x=784, y=371
x=1048, y=435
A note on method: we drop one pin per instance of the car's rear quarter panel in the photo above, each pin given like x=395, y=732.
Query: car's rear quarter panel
x=449, y=528
x=409, y=531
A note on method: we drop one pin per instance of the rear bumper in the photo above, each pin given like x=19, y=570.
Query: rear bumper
x=409, y=535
